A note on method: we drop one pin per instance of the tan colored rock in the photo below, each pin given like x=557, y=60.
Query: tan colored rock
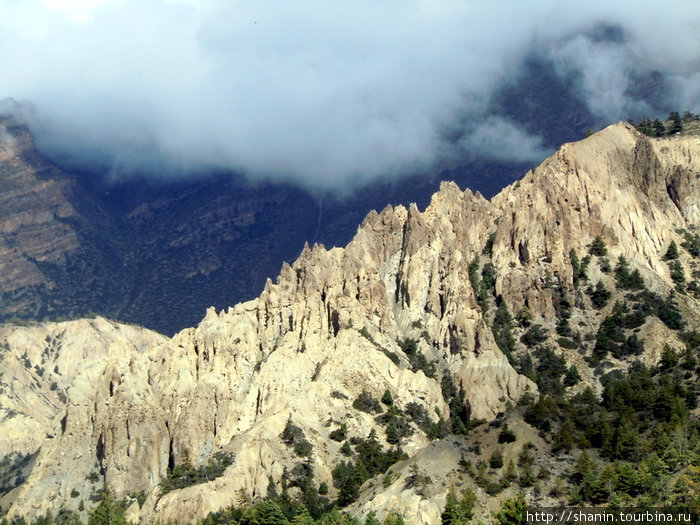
x=137, y=403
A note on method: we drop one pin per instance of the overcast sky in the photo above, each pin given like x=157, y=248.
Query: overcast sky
x=324, y=92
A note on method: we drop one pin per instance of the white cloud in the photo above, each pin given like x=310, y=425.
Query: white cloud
x=325, y=92
x=501, y=139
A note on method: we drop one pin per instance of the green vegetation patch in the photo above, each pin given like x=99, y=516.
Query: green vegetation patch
x=185, y=475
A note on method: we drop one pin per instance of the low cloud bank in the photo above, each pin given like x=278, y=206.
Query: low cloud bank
x=325, y=93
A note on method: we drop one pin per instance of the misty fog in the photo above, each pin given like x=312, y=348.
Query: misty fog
x=328, y=94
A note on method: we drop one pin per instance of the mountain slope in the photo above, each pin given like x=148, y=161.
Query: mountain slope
x=411, y=311
x=159, y=252
x=52, y=236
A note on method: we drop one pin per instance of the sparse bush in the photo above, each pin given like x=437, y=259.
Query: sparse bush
x=417, y=359
x=481, y=290
x=506, y=435
x=365, y=333
x=493, y=488
x=496, y=459
x=565, y=342
x=416, y=479
x=488, y=277
x=691, y=243
x=291, y=433
x=572, y=376
x=524, y=317
x=303, y=448
x=393, y=356
x=418, y=413
x=93, y=477
x=339, y=434
x=488, y=247
x=185, y=474
x=501, y=329
x=534, y=335
x=408, y=346
x=366, y=403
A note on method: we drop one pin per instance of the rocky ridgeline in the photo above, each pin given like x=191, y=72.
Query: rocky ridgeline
x=35, y=225
x=92, y=401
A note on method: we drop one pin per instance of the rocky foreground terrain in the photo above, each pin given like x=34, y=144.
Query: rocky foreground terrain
x=453, y=350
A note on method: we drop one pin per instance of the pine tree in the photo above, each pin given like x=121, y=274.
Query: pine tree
x=599, y=295
x=346, y=449
x=672, y=252
x=511, y=473
x=371, y=519
x=452, y=513
x=392, y=432
x=496, y=459
x=658, y=128
x=349, y=489
x=575, y=267
x=676, y=126
x=108, y=512
x=387, y=398
x=459, y=511
x=393, y=519
x=466, y=505
x=303, y=516
x=598, y=247
x=572, y=376
x=270, y=513
x=334, y=517
x=512, y=511
x=677, y=273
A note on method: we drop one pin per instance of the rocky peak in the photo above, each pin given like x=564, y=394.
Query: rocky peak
x=617, y=184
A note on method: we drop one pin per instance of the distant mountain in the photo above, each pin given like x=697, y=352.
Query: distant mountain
x=159, y=253
x=538, y=347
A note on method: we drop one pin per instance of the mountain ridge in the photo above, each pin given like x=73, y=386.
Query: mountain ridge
x=175, y=246
x=407, y=307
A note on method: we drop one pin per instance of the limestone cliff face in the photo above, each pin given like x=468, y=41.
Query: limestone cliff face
x=631, y=191
x=135, y=403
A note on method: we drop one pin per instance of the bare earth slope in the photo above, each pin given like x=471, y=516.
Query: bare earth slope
x=128, y=404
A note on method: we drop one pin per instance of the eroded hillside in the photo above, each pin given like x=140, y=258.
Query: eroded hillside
x=367, y=375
